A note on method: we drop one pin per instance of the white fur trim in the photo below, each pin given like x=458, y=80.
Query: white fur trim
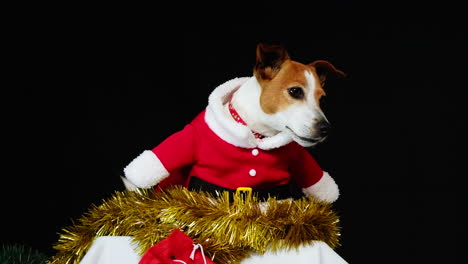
x=226, y=128
x=128, y=185
x=325, y=189
x=231, y=131
x=275, y=141
x=146, y=170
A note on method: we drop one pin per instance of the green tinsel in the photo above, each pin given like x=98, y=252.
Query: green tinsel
x=228, y=231
x=21, y=254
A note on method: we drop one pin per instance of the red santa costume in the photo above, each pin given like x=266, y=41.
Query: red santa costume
x=226, y=153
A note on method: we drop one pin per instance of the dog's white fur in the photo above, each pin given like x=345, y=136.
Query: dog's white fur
x=221, y=122
x=300, y=116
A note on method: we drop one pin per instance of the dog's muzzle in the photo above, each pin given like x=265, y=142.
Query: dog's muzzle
x=312, y=140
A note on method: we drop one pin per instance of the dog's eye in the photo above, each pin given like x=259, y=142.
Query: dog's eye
x=296, y=92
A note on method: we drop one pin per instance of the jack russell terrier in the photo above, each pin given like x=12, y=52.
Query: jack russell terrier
x=251, y=134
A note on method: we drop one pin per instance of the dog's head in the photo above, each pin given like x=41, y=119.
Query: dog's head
x=291, y=93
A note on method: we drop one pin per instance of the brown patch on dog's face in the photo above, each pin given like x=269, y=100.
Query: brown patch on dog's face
x=275, y=96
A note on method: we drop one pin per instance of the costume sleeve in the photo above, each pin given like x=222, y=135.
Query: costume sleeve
x=303, y=167
x=313, y=180
x=153, y=166
x=178, y=150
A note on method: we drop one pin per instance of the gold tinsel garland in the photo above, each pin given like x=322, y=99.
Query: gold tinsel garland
x=228, y=231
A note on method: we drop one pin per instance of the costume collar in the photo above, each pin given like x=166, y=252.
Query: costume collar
x=235, y=115
x=231, y=131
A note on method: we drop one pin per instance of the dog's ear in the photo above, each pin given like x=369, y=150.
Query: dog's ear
x=269, y=60
x=323, y=68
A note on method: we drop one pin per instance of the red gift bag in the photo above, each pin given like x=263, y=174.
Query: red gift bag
x=176, y=248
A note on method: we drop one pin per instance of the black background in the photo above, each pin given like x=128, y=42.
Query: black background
x=94, y=91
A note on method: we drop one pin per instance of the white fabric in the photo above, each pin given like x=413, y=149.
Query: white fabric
x=122, y=250
x=112, y=250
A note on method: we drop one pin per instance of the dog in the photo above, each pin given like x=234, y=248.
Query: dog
x=253, y=133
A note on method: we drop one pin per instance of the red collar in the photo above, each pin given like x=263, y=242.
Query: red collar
x=238, y=119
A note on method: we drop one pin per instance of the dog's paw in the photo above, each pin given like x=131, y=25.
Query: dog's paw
x=325, y=190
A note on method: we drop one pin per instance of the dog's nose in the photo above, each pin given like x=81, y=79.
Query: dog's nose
x=323, y=127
